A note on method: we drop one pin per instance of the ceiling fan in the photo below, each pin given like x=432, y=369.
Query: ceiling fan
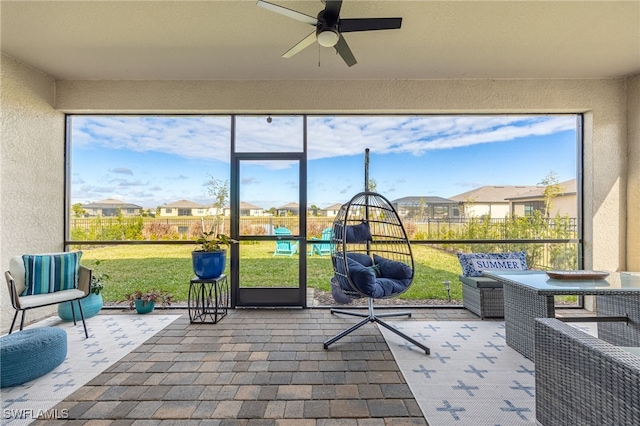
x=329, y=27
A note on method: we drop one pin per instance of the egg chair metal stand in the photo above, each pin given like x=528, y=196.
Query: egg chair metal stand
x=371, y=257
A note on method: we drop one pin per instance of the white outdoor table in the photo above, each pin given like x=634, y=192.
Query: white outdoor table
x=530, y=294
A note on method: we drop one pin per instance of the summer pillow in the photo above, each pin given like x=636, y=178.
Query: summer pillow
x=47, y=273
x=474, y=263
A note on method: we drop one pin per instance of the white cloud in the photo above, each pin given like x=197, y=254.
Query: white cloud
x=328, y=136
x=122, y=170
x=416, y=135
x=188, y=136
x=207, y=138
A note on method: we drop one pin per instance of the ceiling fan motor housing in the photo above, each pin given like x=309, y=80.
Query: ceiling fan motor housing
x=327, y=32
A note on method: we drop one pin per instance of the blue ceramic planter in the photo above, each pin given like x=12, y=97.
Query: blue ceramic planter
x=144, y=307
x=91, y=305
x=208, y=265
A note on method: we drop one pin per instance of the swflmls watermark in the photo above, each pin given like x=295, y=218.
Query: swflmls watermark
x=31, y=414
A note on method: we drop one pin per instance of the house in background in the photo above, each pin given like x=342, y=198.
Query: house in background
x=497, y=202
x=289, y=209
x=110, y=207
x=490, y=201
x=565, y=203
x=246, y=209
x=331, y=211
x=425, y=207
x=183, y=208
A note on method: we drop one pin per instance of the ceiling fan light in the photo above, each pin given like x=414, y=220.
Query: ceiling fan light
x=328, y=38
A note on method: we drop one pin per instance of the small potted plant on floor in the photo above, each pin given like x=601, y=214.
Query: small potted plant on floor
x=144, y=302
x=91, y=305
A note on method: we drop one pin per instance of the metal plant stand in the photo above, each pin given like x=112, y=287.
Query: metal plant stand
x=208, y=299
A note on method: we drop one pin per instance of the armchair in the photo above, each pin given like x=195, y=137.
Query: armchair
x=583, y=380
x=51, y=279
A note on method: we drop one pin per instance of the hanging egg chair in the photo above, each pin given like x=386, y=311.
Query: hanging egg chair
x=371, y=257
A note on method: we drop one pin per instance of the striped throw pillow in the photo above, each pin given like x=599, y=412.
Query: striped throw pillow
x=47, y=273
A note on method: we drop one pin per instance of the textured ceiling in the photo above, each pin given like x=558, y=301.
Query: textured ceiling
x=213, y=40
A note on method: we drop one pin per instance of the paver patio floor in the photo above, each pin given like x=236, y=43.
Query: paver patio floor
x=255, y=367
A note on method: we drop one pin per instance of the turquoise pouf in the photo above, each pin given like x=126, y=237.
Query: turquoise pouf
x=91, y=306
x=29, y=354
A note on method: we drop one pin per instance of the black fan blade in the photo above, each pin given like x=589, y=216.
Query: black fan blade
x=333, y=7
x=343, y=50
x=368, y=24
x=305, y=42
x=288, y=12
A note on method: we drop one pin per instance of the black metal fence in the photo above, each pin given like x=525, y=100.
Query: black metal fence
x=549, y=243
x=182, y=228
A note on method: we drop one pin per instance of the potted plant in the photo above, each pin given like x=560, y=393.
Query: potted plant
x=91, y=305
x=210, y=258
x=144, y=302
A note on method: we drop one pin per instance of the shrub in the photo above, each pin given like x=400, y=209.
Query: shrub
x=159, y=231
x=411, y=228
x=314, y=229
x=252, y=229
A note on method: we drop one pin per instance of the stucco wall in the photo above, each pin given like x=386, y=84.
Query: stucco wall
x=565, y=205
x=633, y=183
x=493, y=210
x=31, y=172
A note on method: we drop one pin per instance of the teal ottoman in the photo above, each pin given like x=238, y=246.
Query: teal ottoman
x=28, y=354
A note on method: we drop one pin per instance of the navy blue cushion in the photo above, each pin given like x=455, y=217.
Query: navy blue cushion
x=376, y=270
x=340, y=265
x=338, y=294
x=395, y=276
x=361, y=258
x=390, y=286
x=393, y=269
x=362, y=277
x=358, y=233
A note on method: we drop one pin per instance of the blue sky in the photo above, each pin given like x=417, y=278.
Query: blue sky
x=153, y=160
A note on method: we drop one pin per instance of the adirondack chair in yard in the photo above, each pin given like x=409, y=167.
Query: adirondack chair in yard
x=285, y=247
x=324, y=248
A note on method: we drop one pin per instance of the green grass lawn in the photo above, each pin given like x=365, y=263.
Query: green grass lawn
x=168, y=268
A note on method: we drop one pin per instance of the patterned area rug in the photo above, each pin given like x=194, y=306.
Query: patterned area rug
x=471, y=377
x=111, y=337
